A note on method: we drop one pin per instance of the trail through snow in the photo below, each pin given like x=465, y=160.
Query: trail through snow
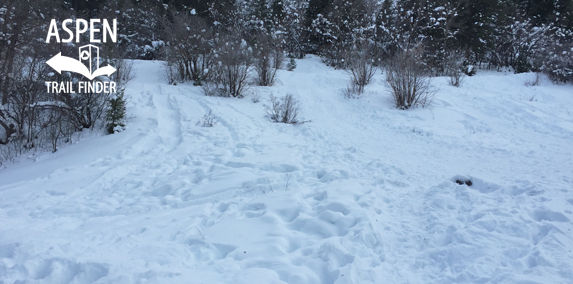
x=362, y=194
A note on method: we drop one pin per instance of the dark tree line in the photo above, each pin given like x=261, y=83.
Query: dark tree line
x=526, y=35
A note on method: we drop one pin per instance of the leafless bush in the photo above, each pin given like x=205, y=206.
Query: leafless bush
x=10, y=150
x=269, y=59
x=211, y=89
x=86, y=109
x=409, y=81
x=360, y=68
x=172, y=74
x=351, y=92
x=234, y=64
x=453, y=68
x=456, y=79
x=116, y=57
x=534, y=81
x=284, y=110
x=55, y=130
x=124, y=72
x=208, y=120
x=255, y=98
x=190, y=48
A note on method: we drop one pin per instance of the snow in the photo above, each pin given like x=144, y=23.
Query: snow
x=362, y=194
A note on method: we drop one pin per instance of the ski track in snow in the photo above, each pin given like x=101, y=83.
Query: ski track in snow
x=361, y=194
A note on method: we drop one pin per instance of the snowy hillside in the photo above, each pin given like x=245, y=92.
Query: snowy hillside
x=363, y=193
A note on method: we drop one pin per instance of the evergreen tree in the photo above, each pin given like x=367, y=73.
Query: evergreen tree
x=115, y=115
x=477, y=26
x=385, y=32
x=293, y=28
x=315, y=8
x=277, y=12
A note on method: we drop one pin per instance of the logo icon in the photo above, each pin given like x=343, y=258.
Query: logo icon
x=84, y=66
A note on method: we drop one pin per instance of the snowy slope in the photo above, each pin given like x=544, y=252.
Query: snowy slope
x=362, y=194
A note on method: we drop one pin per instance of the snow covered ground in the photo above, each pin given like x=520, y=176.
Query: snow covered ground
x=362, y=194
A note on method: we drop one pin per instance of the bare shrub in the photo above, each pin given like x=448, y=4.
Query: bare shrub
x=408, y=79
x=255, y=97
x=284, y=110
x=269, y=59
x=453, y=65
x=234, y=64
x=124, y=72
x=55, y=130
x=190, y=48
x=456, y=79
x=211, y=89
x=172, y=74
x=9, y=152
x=124, y=67
x=116, y=57
x=85, y=109
x=208, y=120
x=360, y=67
x=351, y=92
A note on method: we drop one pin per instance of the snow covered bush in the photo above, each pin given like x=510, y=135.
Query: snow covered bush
x=334, y=26
x=190, y=48
x=409, y=81
x=558, y=63
x=552, y=53
x=468, y=69
x=291, y=65
x=140, y=36
x=208, y=120
x=234, y=61
x=284, y=110
x=211, y=89
x=268, y=60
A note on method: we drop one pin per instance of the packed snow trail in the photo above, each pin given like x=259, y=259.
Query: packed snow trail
x=362, y=194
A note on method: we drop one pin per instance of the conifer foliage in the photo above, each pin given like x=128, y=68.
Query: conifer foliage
x=115, y=115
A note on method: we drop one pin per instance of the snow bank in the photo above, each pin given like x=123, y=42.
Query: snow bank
x=362, y=194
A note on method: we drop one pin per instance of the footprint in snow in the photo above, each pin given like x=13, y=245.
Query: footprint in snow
x=548, y=215
x=254, y=210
